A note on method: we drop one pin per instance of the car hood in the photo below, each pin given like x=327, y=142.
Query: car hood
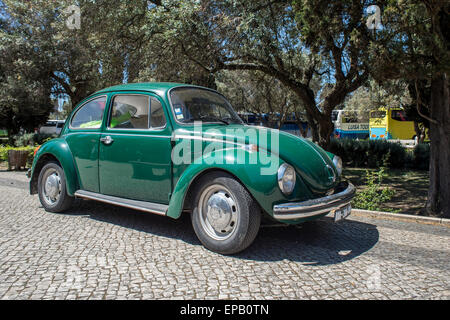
x=311, y=162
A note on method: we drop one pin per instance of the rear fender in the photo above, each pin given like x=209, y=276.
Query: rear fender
x=55, y=149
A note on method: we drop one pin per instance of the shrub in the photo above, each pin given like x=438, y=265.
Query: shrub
x=22, y=140
x=30, y=139
x=421, y=156
x=41, y=138
x=376, y=153
x=4, y=153
x=374, y=194
x=397, y=155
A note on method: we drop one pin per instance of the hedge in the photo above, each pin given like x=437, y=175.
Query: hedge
x=4, y=153
x=30, y=139
x=376, y=153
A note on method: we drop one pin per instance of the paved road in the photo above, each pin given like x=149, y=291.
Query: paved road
x=98, y=251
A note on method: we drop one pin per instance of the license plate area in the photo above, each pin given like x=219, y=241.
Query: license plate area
x=342, y=213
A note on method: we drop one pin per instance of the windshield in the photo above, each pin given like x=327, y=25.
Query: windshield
x=378, y=114
x=193, y=104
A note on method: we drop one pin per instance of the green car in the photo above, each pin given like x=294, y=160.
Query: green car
x=169, y=149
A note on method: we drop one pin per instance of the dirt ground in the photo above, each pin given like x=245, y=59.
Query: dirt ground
x=411, y=188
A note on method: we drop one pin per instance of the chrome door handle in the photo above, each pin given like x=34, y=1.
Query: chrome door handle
x=106, y=140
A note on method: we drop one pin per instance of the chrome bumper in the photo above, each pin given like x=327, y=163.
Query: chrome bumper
x=344, y=193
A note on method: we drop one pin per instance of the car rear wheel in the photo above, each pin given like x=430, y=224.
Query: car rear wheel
x=52, y=188
x=225, y=217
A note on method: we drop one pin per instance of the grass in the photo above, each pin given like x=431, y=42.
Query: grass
x=411, y=188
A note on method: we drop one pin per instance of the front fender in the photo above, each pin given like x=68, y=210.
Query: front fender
x=56, y=148
x=259, y=178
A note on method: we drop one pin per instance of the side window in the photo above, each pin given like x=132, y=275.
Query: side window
x=399, y=115
x=90, y=115
x=130, y=111
x=157, y=118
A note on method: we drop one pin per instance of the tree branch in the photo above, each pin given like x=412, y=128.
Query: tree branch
x=419, y=102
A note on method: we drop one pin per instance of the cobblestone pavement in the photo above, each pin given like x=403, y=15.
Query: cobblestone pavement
x=99, y=251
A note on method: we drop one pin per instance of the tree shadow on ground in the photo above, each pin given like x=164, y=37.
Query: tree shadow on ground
x=320, y=242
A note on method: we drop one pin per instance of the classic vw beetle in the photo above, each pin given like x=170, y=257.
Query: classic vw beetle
x=166, y=148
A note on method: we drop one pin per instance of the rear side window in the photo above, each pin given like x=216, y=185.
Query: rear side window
x=90, y=115
x=399, y=115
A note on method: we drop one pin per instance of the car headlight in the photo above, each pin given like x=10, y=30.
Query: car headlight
x=338, y=164
x=286, y=178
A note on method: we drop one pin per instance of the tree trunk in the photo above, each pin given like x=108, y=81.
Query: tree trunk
x=439, y=192
x=313, y=126
x=325, y=130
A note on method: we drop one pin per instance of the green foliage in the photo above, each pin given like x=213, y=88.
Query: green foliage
x=373, y=95
x=368, y=153
x=22, y=140
x=421, y=156
x=376, y=153
x=41, y=138
x=30, y=139
x=4, y=153
x=374, y=194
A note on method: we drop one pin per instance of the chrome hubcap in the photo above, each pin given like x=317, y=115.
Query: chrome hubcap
x=52, y=186
x=218, y=212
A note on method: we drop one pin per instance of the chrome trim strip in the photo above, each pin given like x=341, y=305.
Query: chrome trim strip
x=144, y=134
x=314, y=207
x=192, y=137
x=151, y=207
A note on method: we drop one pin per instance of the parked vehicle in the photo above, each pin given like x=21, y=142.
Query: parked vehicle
x=351, y=124
x=391, y=124
x=251, y=119
x=291, y=125
x=52, y=127
x=140, y=146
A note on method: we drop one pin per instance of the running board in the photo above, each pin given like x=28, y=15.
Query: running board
x=151, y=207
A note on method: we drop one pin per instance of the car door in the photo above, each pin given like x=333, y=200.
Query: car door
x=135, y=149
x=83, y=140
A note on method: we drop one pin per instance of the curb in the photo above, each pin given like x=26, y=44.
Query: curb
x=401, y=217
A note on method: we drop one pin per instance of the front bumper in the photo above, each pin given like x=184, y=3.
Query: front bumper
x=341, y=197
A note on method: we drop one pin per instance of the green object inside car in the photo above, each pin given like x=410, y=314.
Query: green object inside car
x=114, y=121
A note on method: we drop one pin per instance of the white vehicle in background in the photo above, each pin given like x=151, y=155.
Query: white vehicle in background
x=52, y=127
x=350, y=124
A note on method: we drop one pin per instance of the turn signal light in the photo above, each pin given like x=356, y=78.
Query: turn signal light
x=36, y=150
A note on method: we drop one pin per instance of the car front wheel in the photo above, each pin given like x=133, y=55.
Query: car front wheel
x=52, y=188
x=225, y=218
